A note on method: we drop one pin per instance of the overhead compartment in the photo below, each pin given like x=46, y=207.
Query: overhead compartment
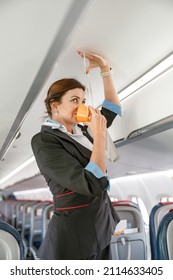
x=146, y=112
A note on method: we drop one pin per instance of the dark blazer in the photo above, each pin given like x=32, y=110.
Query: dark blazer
x=84, y=218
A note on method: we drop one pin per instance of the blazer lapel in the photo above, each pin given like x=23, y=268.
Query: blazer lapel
x=83, y=150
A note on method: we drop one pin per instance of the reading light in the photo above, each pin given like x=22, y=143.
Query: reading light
x=156, y=71
x=16, y=170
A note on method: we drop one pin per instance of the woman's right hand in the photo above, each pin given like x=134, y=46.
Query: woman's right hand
x=95, y=60
x=97, y=124
x=98, y=131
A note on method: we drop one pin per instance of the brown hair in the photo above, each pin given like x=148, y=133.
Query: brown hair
x=58, y=89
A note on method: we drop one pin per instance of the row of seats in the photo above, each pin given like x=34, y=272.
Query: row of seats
x=161, y=231
x=29, y=219
x=23, y=226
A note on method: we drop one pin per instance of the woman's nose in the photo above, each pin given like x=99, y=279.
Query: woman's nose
x=79, y=104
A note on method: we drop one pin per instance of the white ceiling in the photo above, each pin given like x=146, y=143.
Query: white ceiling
x=27, y=31
x=133, y=34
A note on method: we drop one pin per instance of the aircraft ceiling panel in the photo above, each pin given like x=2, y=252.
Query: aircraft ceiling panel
x=27, y=31
x=134, y=35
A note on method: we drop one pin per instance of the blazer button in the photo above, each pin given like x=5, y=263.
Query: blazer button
x=106, y=200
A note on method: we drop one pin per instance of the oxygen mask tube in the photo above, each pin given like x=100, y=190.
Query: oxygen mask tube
x=87, y=83
x=111, y=151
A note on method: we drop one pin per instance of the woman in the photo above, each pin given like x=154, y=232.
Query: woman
x=74, y=166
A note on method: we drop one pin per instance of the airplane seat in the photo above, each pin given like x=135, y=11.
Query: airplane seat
x=5, y=215
x=47, y=214
x=19, y=212
x=2, y=204
x=35, y=238
x=13, y=213
x=26, y=213
x=25, y=230
x=10, y=205
x=163, y=240
x=161, y=212
x=129, y=239
x=11, y=244
x=152, y=232
x=170, y=240
x=156, y=215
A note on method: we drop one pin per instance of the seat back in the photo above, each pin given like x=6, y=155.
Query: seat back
x=153, y=233
x=11, y=245
x=156, y=216
x=26, y=216
x=169, y=238
x=36, y=227
x=47, y=215
x=129, y=242
x=162, y=241
x=161, y=212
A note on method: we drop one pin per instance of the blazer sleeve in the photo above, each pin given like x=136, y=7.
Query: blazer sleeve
x=110, y=110
x=59, y=162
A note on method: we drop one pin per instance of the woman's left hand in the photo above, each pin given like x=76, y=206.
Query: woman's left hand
x=94, y=61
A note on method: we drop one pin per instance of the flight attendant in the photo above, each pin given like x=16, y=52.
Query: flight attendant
x=73, y=163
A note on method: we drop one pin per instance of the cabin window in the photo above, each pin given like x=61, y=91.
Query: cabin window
x=34, y=194
x=166, y=199
x=142, y=208
x=112, y=198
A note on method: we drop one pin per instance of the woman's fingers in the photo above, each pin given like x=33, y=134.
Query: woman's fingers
x=94, y=60
x=94, y=111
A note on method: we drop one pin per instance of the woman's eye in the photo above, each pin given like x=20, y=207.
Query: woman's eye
x=75, y=100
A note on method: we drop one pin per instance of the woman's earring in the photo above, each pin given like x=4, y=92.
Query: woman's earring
x=56, y=113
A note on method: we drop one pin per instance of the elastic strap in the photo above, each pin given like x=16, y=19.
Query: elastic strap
x=87, y=84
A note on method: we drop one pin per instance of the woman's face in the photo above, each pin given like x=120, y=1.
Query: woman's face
x=67, y=109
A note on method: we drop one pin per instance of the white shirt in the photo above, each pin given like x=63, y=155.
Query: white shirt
x=77, y=135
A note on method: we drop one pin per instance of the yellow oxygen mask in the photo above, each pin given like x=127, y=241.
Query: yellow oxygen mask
x=83, y=114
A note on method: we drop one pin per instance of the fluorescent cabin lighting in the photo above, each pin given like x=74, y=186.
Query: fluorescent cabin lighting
x=33, y=191
x=169, y=173
x=17, y=170
x=159, y=69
